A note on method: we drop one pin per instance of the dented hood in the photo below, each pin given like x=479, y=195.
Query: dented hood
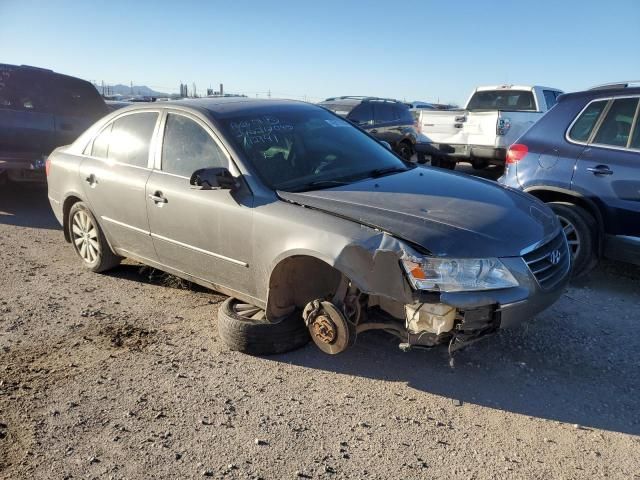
x=448, y=214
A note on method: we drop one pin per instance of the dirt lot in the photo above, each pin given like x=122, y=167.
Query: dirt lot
x=120, y=376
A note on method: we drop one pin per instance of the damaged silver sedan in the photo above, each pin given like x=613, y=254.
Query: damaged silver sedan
x=312, y=227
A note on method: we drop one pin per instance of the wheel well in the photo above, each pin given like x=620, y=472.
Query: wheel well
x=66, y=207
x=297, y=280
x=554, y=196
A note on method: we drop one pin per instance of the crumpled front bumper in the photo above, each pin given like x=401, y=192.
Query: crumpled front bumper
x=516, y=304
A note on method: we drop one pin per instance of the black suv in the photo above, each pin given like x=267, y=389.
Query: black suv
x=583, y=159
x=39, y=111
x=386, y=119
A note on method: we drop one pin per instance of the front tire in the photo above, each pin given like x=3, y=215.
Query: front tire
x=88, y=240
x=443, y=163
x=581, y=231
x=405, y=150
x=244, y=328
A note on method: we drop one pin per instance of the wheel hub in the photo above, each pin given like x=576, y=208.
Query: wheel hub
x=324, y=329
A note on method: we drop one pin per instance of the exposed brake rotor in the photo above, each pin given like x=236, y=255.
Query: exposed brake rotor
x=329, y=328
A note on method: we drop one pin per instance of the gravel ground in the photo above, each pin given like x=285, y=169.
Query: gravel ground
x=121, y=376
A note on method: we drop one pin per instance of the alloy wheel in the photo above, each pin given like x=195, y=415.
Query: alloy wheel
x=249, y=311
x=573, y=238
x=85, y=237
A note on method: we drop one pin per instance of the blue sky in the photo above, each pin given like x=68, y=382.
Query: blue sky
x=408, y=49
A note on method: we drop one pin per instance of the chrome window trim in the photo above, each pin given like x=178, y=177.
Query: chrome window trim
x=598, y=124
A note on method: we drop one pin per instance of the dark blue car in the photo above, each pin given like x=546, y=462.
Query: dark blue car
x=583, y=159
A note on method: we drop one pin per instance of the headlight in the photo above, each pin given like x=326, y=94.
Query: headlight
x=457, y=274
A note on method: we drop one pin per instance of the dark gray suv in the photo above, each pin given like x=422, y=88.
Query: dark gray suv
x=309, y=224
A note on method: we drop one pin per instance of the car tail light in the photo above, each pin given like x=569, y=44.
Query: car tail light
x=517, y=152
x=47, y=165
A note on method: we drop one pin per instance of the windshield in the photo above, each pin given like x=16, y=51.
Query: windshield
x=308, y=148
x=512, y=100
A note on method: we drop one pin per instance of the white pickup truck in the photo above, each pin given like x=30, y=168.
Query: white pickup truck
x=494, y=117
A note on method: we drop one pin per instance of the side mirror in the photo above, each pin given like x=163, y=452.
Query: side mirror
x=386, y=145
x=213, y=179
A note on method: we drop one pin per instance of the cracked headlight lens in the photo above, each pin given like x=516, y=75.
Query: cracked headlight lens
x=457, y=274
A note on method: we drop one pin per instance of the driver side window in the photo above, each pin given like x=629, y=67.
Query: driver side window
x=187, y=147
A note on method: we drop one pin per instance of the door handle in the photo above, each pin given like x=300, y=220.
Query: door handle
x=375, y=130
x=600, y=170
x=157, y=198
x=91, y=180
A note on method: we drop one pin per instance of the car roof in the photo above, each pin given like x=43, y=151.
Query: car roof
x=41, y=71
x=602, y=93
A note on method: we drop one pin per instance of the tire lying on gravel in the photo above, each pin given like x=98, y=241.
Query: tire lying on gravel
x=582, y=234
x=244, y=328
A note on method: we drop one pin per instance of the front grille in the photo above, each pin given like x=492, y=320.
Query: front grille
x=547, y=273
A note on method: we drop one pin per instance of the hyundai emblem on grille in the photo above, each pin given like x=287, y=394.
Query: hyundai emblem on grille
x=554, y=257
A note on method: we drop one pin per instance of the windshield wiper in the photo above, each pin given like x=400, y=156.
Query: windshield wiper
x=379, y=172
x=319, y=184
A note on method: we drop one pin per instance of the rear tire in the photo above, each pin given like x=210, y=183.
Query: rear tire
x=256, y=336
x=582, y=234
x=88, y=240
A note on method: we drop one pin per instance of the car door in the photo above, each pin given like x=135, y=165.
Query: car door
x=115, y=171
x=204, y=233
x=609, y=167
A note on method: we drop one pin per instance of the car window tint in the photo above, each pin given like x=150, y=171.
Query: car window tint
x=581, y=130
x=550, y=98
x=342, y=109
x=130, y=138
x=403, y=113
x=188, y=147
x=512, y=100
x=77, y=98
x=383, y=112
x=101, y=143
x=616, y=127
x=362, y=114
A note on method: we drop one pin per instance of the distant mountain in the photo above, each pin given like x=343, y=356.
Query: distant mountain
x=142, y=90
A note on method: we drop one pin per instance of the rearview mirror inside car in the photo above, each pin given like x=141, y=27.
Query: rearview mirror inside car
x=387, y=145
x=213, y=179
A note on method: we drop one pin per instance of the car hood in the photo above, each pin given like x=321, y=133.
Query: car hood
x=448, y=214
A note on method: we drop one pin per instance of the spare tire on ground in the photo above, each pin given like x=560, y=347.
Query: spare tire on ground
x=244, y=328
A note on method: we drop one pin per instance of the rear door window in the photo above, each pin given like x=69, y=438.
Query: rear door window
x=583, y=126
x=616, y=127
x=100, y=147
x=362, y=114
x=130, y=138
x=383, y=112
x=188, y=147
